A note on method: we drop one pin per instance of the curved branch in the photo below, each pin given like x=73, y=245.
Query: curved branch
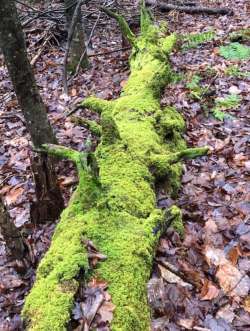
x=91, y=125
x=126, y=31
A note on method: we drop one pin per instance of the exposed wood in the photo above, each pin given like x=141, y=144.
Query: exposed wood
x=49, y=205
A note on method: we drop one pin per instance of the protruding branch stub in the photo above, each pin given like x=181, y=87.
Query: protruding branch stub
x=125, y=29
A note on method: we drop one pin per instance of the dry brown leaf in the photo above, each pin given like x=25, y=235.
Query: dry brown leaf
x=123, y=82
x=98, y=283
x=231, y=280
x=186, y=323
x=106, y=311
x=73, y=92
x=234, y=254
x=172, y=278
x=227, y=313
x=209, y=291
x=13, y=195
x=247, y=304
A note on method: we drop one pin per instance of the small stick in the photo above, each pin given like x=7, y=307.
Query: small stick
x=85, y=50
x=36, y=57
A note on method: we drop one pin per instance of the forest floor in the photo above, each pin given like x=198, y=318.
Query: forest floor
x=201, y=281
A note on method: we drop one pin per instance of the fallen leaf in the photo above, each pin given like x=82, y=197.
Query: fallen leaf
x=231, y=280
x=246, y=304
x=172, y=278
x=13, y=195
x=209, y=291
x=234, y=254
x=186, y=323
x=227, y=313
x=106, y=311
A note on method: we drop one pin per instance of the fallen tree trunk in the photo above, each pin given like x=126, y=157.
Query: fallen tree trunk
x=114, y=205
x=191, y=9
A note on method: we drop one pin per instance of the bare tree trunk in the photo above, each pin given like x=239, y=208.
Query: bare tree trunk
x=10, y=234
x=78, y=41
x=13, y=46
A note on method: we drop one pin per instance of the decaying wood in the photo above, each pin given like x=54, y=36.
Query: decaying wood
x=114, y=205
x=49, y=203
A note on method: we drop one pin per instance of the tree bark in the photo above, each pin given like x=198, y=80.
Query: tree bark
x=10, y=234
x=114, y=205
x=77, y=45
x=13, y=46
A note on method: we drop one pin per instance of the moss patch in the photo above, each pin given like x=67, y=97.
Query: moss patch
x=235, y=51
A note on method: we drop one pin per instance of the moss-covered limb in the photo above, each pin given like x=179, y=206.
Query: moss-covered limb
x=117, y=210
x=93, y=127
x=61, y=152
x=96, y=104
x=161, y=163
x=145, y=18
x=125, y=29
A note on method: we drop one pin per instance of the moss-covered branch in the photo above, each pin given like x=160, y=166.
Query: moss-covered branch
x=93, y=127
x=162, y=163
x=125, y=29
x=116, y=207
x=97, y=105
x=60, y=152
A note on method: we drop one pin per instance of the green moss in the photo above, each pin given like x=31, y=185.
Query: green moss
x=177, y=223
x=90, y=124
x=196, y=39
x=117, y=209
x=235, y=51
x=240, y=35
x=232, y=101
x=234, y=71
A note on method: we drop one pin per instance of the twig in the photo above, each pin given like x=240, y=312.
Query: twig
x=36, y=57
x=110, y=52
x=70, y=37
x=25, y=5
x=74, y=110
x=89, y=40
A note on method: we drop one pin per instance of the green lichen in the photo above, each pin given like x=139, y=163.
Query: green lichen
x=116, y=209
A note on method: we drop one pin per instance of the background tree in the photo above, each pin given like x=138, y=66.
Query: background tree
x=77, y=44
x=50, y=201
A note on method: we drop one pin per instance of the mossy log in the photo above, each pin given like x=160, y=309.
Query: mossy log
x=114, y=204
